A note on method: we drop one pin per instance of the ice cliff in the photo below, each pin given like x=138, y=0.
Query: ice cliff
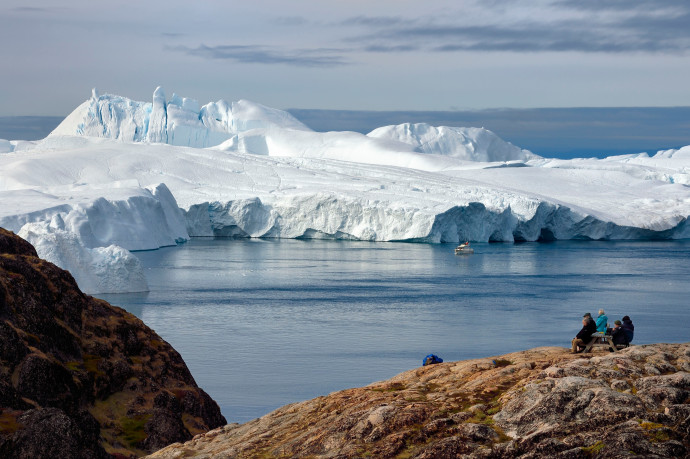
x=119, y=175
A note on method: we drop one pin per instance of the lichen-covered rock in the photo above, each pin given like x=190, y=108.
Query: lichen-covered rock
x=565, y=401
x=80, y=378
x=540, y=403
x=50, y=432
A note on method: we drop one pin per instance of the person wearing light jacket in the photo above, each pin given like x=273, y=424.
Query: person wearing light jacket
x=602, y=321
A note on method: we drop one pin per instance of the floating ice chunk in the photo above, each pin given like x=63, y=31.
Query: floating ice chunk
x=109, y=269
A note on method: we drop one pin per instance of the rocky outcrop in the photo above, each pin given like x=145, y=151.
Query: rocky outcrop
x=543, y=402
x=80, y=378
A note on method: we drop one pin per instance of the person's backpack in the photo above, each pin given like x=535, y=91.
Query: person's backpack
x=431, y=359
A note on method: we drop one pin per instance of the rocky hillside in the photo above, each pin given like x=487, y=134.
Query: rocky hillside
x=543, y=402
x=80, y=378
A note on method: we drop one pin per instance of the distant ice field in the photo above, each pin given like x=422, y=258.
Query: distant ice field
x=563, y=133
x=263, y=323
x=118, y=175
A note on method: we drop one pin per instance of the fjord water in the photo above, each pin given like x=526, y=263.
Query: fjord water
x=263, y=323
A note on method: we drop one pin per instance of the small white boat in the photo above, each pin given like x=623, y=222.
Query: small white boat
x=463, y=249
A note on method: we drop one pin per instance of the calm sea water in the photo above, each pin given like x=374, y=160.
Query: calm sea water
x=263, y=323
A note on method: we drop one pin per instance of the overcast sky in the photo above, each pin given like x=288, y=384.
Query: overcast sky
x=354, y=55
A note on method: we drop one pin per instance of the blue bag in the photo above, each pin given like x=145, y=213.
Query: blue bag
x=431, y=359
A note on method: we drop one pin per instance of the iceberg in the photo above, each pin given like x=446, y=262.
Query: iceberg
x=109, y=269
x=119, y=175
x=179, y=121
x=470, y=144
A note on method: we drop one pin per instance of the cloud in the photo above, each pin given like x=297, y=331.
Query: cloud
x=257, y=54
x=376, y=21
x=623, y=5
x=291, y=21
x=602, y=26
x=38, y=10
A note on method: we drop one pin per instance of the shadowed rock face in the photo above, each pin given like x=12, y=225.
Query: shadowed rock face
x=538, y=403
x=80, y=378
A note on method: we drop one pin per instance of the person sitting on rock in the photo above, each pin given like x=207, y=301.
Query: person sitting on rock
x=602, y=321
x=584, y=336
x=629, y=328
x=618, y=334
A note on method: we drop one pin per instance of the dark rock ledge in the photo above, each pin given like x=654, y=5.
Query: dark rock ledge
x=80, y=378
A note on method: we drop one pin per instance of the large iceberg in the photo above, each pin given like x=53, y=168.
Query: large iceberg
x=178, y=121
x=119, y=175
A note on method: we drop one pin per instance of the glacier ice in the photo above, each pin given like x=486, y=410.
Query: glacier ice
x=178, y=121
x=119, y=175
x=110, y=269
x=470, y=144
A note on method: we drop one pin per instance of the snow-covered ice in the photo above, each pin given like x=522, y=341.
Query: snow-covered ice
x=120, y=175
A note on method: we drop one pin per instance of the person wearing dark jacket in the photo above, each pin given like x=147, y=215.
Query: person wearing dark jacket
x=618, y=334
x=584, y=336
x=629, y=328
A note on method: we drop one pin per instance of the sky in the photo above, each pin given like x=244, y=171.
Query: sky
x=347, y=55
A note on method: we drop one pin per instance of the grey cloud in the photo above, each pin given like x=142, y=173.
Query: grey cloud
x=623, y=5
x=628, y=26
x=254, y=54
x=376, y=21
x=391, y=48
x=37, y=10
x=291, y=21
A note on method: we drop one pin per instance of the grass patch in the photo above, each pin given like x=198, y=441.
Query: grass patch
x=9, y=423
x=657, y=433
x=594, y=449
x=91, y=362
x=73, y=365
x=133, y=429
x=502, y=437
x=480, y=417
x=646, y=425
x=493, y=410
x=502, y=362
x=390, y=388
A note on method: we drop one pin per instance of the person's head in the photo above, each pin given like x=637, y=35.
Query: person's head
x=601, y=312
x=587, y=314
x=618, y=323
x=626, y=318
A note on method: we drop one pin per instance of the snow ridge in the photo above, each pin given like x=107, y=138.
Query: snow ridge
x=470, y=144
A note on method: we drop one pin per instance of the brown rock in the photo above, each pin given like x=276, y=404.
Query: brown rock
x=80, y=378
x=11, y=244
x=539, y=403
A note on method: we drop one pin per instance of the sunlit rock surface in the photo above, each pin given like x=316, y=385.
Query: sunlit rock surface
x=539, y=403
